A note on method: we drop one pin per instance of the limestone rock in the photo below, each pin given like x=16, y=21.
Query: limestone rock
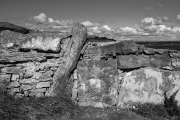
x=38, y=90
x=175, y=56
x=11, y=40
x=43, y=85
x=69, y=61
x=46, y=79
x=37, y=94
x=37, y=75
x=47, y=74
x=26, y=87
x=13, y=91
x=13, y=70
x=148, y=85
x=14, y=84
x=121, y=48
x=13, y=57
x=5, y=78
x=28, y=81
x=137, y=61
x=97, y=81
x=14, y=77
x=43, y=44
x=43, y=41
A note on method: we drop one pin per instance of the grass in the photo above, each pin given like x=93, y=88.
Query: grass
x=61, y=108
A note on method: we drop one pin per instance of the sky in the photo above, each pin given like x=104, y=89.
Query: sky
x=121, y=19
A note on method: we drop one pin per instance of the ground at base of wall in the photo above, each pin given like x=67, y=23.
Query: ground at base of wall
x=61, y=108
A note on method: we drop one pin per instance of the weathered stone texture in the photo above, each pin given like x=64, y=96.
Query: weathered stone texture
x=43, y=85
x=5, y=78
x=97, y=81
x=44, y=44
x=70, y=58
x=137, y=61
x=14, y=84
x=148, y=85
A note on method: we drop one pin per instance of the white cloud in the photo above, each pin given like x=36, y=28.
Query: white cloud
x=87, y=23
x=129, y=29
x=164, y=28
x=176, y=29
x=148, y=21
x=107, y=27
x=160, y=5
x=165, y=18
x=66, y=22
x=40, y=18
x=63, y=22
x=95, y=29
x=178, y=17
x=50, y=20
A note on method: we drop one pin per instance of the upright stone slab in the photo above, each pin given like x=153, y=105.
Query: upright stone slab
x=97, y=83
x=70, y=58
x=148, y=85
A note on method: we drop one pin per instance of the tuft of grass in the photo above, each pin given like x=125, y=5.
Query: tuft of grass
x=47, y=108
x=154, y=112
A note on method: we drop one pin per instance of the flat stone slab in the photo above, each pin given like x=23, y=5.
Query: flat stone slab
x=148, y=85
x=138, y=61
x=43, y=42
x=97, y=81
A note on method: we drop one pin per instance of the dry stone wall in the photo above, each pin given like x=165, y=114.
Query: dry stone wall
x=125, y=74
x=119, y=74
x=31, y=64
x=31, y=78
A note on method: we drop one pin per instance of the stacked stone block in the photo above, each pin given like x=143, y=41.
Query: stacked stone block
x=29, y=79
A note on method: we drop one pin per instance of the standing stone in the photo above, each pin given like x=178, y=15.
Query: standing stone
x=69, y=61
